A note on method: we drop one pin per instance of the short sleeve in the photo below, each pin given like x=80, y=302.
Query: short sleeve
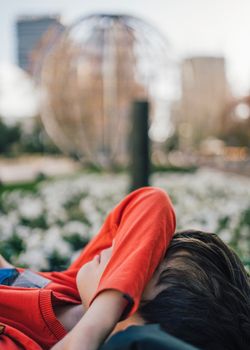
x=142, y=232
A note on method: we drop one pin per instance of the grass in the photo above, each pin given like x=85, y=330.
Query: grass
x=174, y=169
x=25, y=186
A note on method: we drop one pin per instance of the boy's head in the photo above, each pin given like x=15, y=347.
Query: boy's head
x=200, y=293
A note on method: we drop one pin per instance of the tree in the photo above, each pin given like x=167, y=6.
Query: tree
x=9, y=136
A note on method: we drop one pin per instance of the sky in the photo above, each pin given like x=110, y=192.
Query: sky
x=192, y=27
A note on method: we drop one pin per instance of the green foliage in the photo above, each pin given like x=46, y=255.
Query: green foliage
x=73, y=209
x=23, y=186
x=174, y=169
x=12, y=247
x=58, y=262
x=223, y=223
x=9, y=136
x=37, y=141
x=76, y=241
x=172, y=143
x=244, y=225
x=14, y=140
x=245, y=219
x=39, y=222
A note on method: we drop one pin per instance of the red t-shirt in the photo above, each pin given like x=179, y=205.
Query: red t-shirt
x=141, y=225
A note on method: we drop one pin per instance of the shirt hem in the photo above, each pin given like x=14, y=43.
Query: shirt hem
x=53, y=324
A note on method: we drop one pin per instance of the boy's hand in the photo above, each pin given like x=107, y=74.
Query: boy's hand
x=97, y=323
x=89, y=275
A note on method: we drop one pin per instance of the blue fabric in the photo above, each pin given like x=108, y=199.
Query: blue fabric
x=26, y=279
x=8, y=276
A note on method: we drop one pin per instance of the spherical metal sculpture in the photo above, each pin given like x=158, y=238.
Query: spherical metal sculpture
x=90, y=77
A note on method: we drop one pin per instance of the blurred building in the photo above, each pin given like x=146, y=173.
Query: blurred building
x=30, y=32
x=204, y=94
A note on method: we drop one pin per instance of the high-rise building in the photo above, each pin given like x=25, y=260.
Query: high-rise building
x=30, y=33
x=205, y=92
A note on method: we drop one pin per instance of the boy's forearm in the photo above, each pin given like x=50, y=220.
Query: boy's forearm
x=97, y=323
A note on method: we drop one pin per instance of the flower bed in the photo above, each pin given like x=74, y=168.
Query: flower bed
x=46, y=227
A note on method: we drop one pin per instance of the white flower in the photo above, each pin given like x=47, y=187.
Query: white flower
x=225, y=235
x=31, y=208
x=53, y=241
x=35, y=240
x=34, y=259
x=202, y=200
x=25, y=233
x=78, y=227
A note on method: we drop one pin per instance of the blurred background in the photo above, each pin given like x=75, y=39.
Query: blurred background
x=98, y=99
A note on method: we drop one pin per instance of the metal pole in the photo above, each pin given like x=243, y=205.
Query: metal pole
x=139, y=145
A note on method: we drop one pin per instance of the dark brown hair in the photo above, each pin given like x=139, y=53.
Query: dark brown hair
x=205, y=294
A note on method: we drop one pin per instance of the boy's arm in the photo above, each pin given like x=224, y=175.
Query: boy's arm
x=96, y=324
x=141, y=226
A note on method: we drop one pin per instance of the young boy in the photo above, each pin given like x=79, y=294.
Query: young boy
x=103, y=286
x=200, y=293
